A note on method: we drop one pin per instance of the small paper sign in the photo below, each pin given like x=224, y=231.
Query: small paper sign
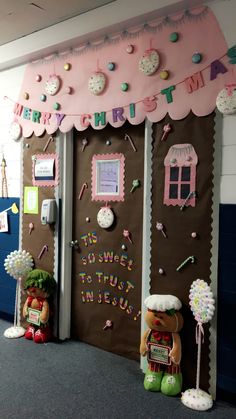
x=34, y=316
x=158, y=353
x=44, y=169
x=31, y=200
x=3, y=222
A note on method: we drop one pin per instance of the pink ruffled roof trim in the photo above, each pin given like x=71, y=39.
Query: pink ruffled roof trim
x=79, y=107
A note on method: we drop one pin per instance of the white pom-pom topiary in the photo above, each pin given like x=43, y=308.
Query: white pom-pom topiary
x=18, y=263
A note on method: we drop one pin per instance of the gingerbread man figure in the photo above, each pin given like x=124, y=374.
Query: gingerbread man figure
x=162, y=345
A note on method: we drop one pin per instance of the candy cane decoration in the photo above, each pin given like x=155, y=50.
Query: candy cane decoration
x=127, y=137
x=83, y=187
x=47, y=143
x=44, y=249
x=185, y=262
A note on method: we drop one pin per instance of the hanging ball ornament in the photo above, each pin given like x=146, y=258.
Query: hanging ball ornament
x=68, y=90
x=130, y=49
x=124, y=87
x=111, y=66
x=43, y=98
x=97, y=83
x=164, y=75
x=18, y=263
x=196, y=58
x=174, y=36
x=149, y=62
x=38, y=78
x=67, y=66
x=56, y=106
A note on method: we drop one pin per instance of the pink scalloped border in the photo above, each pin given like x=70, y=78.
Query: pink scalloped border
x=111, y=156
x=47, y=183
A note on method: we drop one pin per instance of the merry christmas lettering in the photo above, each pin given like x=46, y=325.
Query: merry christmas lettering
x=192, y=83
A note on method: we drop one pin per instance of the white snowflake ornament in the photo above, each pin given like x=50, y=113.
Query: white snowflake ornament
x=226, y=101
x=149, y=62
x=97, y=83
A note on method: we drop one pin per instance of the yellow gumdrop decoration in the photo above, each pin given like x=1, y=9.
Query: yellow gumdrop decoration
x=14, y=208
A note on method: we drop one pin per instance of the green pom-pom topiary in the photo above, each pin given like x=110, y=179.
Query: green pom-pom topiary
x=40, y=279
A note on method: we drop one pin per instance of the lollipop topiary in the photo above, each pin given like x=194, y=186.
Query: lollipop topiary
x=17, y=264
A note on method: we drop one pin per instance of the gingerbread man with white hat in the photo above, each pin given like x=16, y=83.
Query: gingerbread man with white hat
x=162, y=345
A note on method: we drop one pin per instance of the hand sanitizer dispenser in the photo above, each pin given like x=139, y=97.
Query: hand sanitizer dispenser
x=48, y=211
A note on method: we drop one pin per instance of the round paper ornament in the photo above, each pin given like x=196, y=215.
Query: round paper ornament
x=105, y=217
x=17, y=264
x=52, y=85
x=202, y=305
x=97, y=82
x=149, y=62
x=226, y=101
x=15, y=131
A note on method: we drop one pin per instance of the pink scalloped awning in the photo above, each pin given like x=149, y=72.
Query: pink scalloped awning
x=189, y=86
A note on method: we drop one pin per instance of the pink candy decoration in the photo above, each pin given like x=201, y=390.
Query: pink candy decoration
x=166, y=130
x=84, y=143
x=160, y=227
x=127, y=235
x=83, y=187
x=108, y=325
x=31, y=227
x=44, y=249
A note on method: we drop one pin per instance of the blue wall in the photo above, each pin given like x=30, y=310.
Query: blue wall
x=8, y=242
x=226, y=346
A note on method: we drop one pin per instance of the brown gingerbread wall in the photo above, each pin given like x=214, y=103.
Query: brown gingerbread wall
x=168, y=253
x=41, y=234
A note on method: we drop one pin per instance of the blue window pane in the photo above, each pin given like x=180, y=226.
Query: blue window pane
x=173, y=191
x=174, y=174
x=185, y=175
x=185, y=190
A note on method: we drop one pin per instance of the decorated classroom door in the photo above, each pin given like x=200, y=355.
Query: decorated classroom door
x=107, y=238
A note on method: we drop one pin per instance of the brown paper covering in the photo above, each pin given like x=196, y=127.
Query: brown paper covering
x=169, y=253
x=41, y=234
x=88, y=319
